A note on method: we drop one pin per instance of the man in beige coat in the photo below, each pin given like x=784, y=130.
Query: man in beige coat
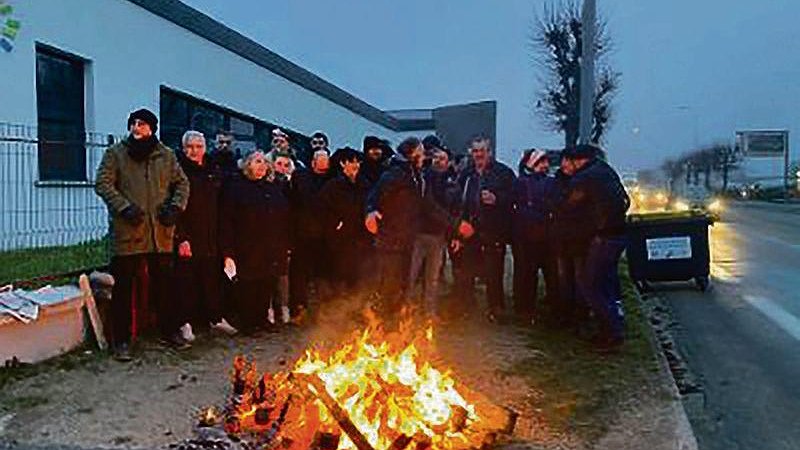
x=145, y=190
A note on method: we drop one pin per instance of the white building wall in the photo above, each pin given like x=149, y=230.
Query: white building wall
x=131, y=53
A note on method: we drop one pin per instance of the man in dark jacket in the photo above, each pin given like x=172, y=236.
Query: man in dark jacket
x=199, y=264
x=376, y=155
x=395, y=206
x=597, y=197
x=341, y=207
x=144, y=188
x=486, y=201
x=431, y=240
x=224, y=157
x=309, y=259
x=533, y=194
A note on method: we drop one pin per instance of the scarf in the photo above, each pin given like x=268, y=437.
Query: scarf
x=141, y=149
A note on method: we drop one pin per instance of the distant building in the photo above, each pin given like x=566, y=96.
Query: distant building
x=76, y=69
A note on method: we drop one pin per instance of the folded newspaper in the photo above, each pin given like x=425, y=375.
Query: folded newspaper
x=24, y=305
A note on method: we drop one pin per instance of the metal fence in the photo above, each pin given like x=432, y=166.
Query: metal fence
x=49, y=212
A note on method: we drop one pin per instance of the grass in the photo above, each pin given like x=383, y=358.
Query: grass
x=582, y=389
x=49, y=265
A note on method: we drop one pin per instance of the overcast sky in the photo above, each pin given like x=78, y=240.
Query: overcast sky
x=693, y=71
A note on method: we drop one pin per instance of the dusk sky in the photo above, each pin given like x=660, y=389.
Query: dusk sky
x=693, y=72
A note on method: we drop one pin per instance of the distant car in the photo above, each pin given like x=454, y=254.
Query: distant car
x=698, y=198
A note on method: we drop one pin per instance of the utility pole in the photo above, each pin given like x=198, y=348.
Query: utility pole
x=588, y=31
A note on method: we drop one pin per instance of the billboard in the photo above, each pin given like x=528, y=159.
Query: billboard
x=763, y=143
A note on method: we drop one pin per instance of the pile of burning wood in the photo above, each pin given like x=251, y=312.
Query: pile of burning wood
x=372, y=393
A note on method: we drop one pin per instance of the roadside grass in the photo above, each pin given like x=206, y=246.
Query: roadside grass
x=582, y=389
x=49, y=265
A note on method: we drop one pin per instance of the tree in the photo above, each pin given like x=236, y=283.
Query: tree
x=673, y=169
x=557, y=46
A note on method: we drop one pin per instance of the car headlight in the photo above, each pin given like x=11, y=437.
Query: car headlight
x=680, y=206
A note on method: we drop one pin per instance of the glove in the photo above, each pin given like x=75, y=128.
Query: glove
x=168, y=215
x=132, y=214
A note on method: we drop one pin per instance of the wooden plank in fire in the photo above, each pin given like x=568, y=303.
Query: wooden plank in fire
x=339, y=414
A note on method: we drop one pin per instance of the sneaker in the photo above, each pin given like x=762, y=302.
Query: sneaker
x=271, y=316
x=285, y=317
x=224, y=327
x=186, y=332
x=122, y=353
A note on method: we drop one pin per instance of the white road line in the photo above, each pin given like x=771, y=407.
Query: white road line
x=785, y=320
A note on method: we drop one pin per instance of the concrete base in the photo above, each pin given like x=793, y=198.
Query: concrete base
x=58, y=329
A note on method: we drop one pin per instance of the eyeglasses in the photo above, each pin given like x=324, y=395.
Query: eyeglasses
x=278, y=140
x=316, y=142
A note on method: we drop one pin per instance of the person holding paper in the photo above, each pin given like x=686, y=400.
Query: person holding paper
x=254, y=225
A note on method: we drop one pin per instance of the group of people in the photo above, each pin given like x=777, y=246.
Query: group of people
x=238, y=242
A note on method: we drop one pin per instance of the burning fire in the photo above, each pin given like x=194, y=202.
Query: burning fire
x=376, y=392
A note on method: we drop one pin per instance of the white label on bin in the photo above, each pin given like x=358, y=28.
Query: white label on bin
x=669, y=248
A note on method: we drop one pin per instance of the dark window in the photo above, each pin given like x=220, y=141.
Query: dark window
x=60, y=109
x=181, y=112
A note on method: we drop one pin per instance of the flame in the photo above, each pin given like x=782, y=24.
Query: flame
x=386, y=384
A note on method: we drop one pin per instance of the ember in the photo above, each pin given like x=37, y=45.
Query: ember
x=376, y=392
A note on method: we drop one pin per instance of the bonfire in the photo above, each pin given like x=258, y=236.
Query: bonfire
x=377, y=391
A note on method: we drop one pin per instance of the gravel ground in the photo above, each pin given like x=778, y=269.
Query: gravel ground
x=153, y=401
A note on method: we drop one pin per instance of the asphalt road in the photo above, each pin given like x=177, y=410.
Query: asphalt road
x=742, y=339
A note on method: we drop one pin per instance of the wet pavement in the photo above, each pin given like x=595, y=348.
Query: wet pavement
x=742, y=338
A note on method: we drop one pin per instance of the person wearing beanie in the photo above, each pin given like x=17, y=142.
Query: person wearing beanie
x=145, y=190
x=375, y=158
x=396, y=206
x=596, y=202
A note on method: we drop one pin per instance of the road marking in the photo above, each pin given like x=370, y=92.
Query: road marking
x=785, y=320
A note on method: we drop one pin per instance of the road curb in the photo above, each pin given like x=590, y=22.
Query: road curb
x=684, y=437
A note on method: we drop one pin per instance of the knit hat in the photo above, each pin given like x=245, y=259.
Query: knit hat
x=145, y=115
x=430, y=142
x=371, y=142
x=581, y=151
x=536, y=156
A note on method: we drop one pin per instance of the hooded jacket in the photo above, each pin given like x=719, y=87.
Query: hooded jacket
x=151, y=184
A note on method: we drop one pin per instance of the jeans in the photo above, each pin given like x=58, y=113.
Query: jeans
x=428, y=250
x=598, y=282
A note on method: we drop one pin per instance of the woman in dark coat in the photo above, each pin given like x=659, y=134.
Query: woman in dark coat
x=254, y=223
